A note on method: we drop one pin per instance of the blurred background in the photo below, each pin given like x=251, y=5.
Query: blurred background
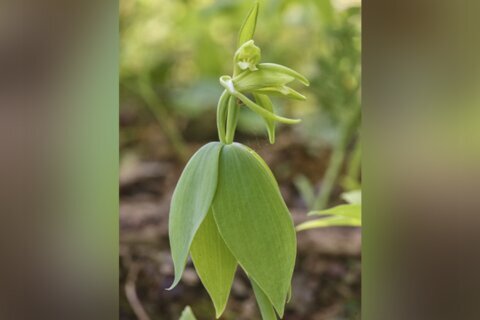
x=172, y=54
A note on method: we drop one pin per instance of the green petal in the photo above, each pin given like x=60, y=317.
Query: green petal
x=266, y=309
x=265, y=102
x=254, y=221
x=214, y=263
x=187, y=314
x=248, y=27
x=282, y=69
x=248, y=81
x=191, y=201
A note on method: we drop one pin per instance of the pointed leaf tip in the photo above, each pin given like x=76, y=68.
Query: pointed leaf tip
x=214, y=263
x=247, y=29
x=254, y=221
x=191, y=201
x=265, y=102
x=266, y=308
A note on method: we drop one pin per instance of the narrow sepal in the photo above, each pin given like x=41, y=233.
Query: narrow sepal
x=261, y=111
x=265, y=102
x=282, y=69
x=247, y=29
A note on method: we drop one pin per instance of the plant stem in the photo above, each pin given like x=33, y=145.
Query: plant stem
x=337, y=159
x=232, y=119
x=351, y=181
x=222, y=109
x=161, y=114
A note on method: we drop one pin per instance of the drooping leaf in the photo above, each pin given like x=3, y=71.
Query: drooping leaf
x=254, y=221
x=214, y=263
x=248, y=27
x=187, y=314
x=191, y=201
x=266, y=308
x=265, y=102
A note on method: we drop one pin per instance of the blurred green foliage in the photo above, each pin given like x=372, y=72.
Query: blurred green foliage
x=180, y=48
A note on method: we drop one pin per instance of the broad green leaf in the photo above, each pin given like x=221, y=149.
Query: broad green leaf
x=187, y=314
x=254, y=221
x=265, y=102
x=191, y=201
x=266, y=309
x=333, y=221
x=345, y=210
x=248, y=27
x=214, y=263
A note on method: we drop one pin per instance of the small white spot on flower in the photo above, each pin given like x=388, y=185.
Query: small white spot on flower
x=243, y=65
x=230, y=86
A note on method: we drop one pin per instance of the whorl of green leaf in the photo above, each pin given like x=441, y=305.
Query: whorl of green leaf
x=247, y=29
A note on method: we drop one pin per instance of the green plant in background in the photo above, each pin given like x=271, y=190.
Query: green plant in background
x=227, y=210
x=187, y=314
x=344, y=215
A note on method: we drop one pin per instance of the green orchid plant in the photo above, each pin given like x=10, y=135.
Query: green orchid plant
x=227, y=209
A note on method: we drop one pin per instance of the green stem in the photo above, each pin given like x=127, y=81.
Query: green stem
x=337, y=159
x=161, y=114
x=351, y=181
x=222, y=109
x=232, y=119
